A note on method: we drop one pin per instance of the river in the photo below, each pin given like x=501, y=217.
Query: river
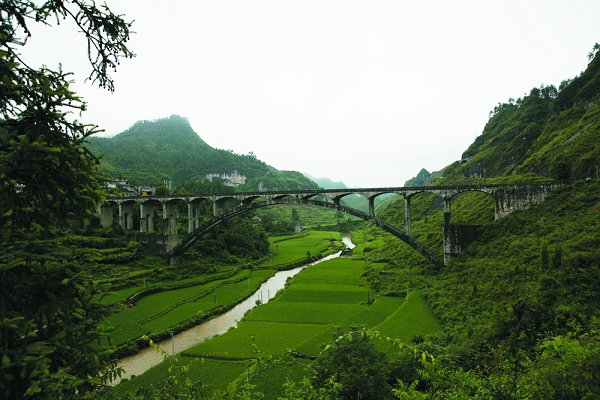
x=147, y=358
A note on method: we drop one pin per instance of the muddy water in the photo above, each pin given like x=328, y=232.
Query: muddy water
x=147, y=358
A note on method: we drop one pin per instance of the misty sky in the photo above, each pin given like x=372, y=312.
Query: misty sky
x=363, y=91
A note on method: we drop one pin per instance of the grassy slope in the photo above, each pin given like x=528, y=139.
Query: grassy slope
x=480, y=288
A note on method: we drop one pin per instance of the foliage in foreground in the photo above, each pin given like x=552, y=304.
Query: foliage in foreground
x=49, y=321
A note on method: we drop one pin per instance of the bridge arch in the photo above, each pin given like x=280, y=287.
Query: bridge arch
x=489, y=192
x=217, y=220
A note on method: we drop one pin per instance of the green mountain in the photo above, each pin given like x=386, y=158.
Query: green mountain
x=150, y=151
x=551, y=132
x=520, y=306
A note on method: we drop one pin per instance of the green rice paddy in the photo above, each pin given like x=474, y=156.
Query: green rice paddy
x=318, y=301
x=292, y=248
x=175, y=305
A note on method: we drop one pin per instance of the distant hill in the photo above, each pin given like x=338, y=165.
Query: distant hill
x=150, y=151
x=326, y=183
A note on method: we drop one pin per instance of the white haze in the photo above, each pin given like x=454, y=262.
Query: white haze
x=363, y=91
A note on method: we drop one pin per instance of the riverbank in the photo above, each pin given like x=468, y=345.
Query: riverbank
x=296, y=323
x=196, y=330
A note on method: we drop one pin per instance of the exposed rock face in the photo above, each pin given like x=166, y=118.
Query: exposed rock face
x=420, y=179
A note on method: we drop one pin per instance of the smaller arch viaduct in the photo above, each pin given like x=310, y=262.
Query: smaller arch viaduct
x=507, y=199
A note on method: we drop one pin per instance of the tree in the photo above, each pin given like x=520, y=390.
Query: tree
x=295, y=216
x=46, y=172
x=354, y=362
x=594, y=51
x=49, y=323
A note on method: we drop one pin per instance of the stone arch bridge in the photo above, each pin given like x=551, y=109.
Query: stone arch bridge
x=507, y=199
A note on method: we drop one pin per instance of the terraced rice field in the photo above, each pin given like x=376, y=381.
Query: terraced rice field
x=161, y=310
x=289, y=249
x=305, y=315
x=171, y=307
x=303, y=318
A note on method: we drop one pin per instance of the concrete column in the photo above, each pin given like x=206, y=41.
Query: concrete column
x=196, y=215
x=449, y=232
x=150, y=218
x=336, y=201
x=126, y=215
x=130, y=217
x=142, y=218
x=170, y=218
x=190, y=217
x=372, y=206
x=121, y=216
x=165, y=221
x=407, y=215
x=447, y=211
x=106, y=215
x=146, y=217
x=215, y=208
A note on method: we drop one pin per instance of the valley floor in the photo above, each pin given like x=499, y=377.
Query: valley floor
x=295, y=327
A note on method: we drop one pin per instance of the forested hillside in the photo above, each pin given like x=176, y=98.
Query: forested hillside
x=550, y=132
x=519, y=308
x=169, y=148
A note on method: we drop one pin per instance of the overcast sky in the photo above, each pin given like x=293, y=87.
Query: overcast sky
x=363, y=91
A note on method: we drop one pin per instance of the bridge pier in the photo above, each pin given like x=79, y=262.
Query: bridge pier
x=447, y=210
x=126, y=215
x=146, y=218
x=170, y=218
x=193, y=216
x=106, y=215
x=371, y=206
x=450, y=236
x=407, y=215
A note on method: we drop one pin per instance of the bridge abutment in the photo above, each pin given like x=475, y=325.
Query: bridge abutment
x=457, y=237
x=516, y=198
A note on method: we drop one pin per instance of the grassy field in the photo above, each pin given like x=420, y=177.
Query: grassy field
x=215, y=374
x=310, y=216
x=173, y=306
x=321, y=299
x=292, y=248
x=169, y=308
x=412, y=318
x=304, y=316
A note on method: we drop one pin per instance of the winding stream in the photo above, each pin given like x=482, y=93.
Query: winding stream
x=147, y=358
